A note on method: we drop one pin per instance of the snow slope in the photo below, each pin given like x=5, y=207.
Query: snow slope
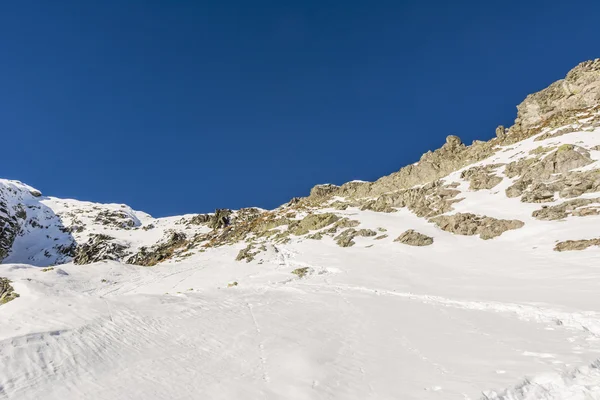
x=464, y=318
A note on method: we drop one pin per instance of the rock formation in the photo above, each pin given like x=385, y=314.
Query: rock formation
x=414, y=238
x=7, y=293
x=471, y=224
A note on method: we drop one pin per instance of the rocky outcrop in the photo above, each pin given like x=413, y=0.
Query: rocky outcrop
x=482, y=177
x=432, y=199
x=247, y=253
x=432, y=166
x=414, y=238
x=7, y=293
x=579, y=90
x=200, y=219
x=220, y=219
x=312, y=222
x=115, y=219
x=538, y=180
x=346, y=238
x=9, y=228
x=160, y=252
x=576, y=207
x=500, y=132
x=471, y=224
x=99, y=247
x=571, y=245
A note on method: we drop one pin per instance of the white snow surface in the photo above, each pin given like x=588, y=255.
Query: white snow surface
x=464, y=318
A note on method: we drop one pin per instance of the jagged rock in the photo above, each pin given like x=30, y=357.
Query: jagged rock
x=117, y=219
x=247, y=254
x=541, y=150
x=500, y=132
x=570, y=245
x=301, y=272
x=200, y=219
x=538, y=175
x=471, y=224
x=579, y=90
x=339, y=205
x=570, y=207
x=453, y=142
x=9, y=228
x=414, y=238
x=323, y=190
x=312, y=222
x=315, y=236
x=481, y=177
x=345, y=239
x=160, y=252
x=7, y=293
x=245, y=215
x=220, y=219
x=429, y=200
x=99, y=247
x=381, y=237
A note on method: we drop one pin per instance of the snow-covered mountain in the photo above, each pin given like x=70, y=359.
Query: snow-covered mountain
x=473, y=273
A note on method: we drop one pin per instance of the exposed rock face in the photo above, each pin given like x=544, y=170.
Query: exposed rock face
x=200, y=219
x=9, y=228
x=247, y=254
x=471, y=224
x=7, y=293
x=537, y=182
x=570, y=245
x=312, y=222
x=432, y=166
x=482, y=177
x=323, y=190
x=500, y=132
x=98, y=248
x=220, y=219
x=429, y=200
x=579, y=90
x=160, y=252
x=414, y=238
x=576, y=207
x=117, y=219
x=345, y=239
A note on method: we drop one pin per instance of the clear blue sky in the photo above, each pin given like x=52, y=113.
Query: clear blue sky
x=184, y=106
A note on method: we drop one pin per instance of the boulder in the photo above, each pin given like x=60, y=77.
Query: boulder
x=571, y=245
x=99, y=247
x=471, y=224
x=414, y=238
x=7, y=293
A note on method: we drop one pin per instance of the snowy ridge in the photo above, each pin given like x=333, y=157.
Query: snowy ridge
x=482, y=284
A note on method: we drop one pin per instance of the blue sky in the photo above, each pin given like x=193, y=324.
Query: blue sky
x=185, y=106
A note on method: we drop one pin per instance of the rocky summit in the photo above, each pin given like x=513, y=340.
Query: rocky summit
x=472, y=273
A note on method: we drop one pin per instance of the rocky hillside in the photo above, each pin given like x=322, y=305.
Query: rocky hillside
x=548, y=157
x=489, y=238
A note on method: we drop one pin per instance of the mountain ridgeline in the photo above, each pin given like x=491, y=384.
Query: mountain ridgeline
x=559, y=174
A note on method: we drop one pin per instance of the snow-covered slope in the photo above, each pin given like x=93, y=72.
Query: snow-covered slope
x=472, y=274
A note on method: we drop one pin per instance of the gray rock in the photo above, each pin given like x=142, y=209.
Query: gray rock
x=99, y=247
x=414, y=238
x=571, y=245
x=7, y=293
x=220, y=219
x=500, y=132
x=159, y=252
x=471, y=224
x=574, y=207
